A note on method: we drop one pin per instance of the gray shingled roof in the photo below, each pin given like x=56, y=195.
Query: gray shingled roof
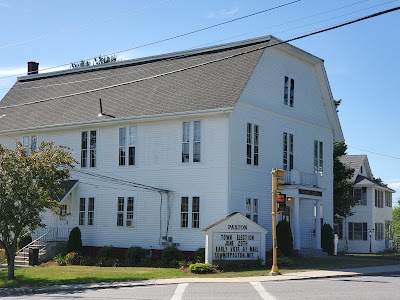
x=212, y=86
x=353, y=161
x=66, y=186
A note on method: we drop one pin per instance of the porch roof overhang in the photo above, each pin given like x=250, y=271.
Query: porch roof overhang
x=68, y=186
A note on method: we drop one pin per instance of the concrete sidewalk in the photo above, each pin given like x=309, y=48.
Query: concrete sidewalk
x=378, y=270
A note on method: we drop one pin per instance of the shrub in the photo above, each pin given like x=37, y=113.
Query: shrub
x=106, y=257
x=170, y=256
x=106, y=252
x=284, y=238
x=184, y=263
x=327, y=239
x=285, y=261
x=60, y=259
x=24, y=239
x=200, y=255
x=107, y=262
x=87, y=261
x=201, y=268
x=72, y=258
x=74, y=243
x=134, y=255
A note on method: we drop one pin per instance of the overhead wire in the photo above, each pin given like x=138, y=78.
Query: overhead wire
x=114, y=188
x=173, y=37
x=208, y=62
x=377, y=153
x=289, y=22
x=332, y=18
x=120, y=181
x=81, y=26
x=247, y=33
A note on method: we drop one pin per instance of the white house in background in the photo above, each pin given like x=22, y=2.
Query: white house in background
x=369, y=229
x=181, y=140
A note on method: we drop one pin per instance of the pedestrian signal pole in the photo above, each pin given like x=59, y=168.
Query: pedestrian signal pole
x=277, y=185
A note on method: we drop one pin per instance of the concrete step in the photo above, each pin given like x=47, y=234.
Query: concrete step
x=311, y=252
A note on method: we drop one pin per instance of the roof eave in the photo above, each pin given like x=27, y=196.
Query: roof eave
x=111, y=121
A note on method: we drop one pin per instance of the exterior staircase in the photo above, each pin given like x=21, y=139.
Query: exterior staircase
x=311, y=252
x=48, y=241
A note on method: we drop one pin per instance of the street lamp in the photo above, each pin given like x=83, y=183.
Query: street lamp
x=371, y=231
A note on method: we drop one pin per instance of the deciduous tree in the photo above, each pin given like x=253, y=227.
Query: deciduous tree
x=396, y=225
x=343, y=199
x=29, y=182
x=96, y=61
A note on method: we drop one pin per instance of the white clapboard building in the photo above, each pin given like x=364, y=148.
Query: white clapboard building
x=169, y=144
x=369, y=229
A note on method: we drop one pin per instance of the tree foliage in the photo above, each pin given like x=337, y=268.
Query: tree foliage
x=29, y=181
x=96, y=61
x=74, y=243
x=327, y=239
x=343, y=200
x=396, y=225
x=380, y=181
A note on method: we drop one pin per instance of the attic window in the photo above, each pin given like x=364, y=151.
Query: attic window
x=361, y=170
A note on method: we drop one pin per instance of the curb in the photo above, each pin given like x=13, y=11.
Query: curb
x=4, y=292
x=310, y=275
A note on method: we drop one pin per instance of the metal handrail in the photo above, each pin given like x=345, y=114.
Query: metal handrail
x=31, y=243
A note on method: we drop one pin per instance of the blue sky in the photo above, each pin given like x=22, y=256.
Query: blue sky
x=361, y=60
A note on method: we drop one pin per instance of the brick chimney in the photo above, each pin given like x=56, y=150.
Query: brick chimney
x=33, y=67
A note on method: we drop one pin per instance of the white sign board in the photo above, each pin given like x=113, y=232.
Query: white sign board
x=236, y=246
x=235, y=237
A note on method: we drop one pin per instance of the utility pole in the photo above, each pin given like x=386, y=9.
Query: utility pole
x=277, y=183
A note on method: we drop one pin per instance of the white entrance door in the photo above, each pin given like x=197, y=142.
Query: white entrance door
x=63, y=216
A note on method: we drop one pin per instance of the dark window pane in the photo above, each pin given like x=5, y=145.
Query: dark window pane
x=132, y=155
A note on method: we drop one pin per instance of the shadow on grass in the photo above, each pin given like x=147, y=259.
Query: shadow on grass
x=337, y=262
x=23, y=281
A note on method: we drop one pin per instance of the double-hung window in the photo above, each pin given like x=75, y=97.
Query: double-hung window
x=338, y=229
x=125, y=211
x=127, y=146
x=252, y=144
x=86, y=211
x=190, y=212
x=358, y=231
x=30, y=143
x=252, y=209
x=318, y=157
x=287, y=151
x=360, y=195
x=388, y=199
x=288, y=92
x=378, y=198
x=191, y=142
x=378, y=231
x=88, y=148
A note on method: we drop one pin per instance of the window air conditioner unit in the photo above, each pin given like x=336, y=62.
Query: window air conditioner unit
x=129, y=223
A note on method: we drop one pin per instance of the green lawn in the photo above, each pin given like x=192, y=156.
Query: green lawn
x=53, y=275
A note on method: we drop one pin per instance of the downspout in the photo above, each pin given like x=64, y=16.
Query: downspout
x=228, y=116
x=161, y=201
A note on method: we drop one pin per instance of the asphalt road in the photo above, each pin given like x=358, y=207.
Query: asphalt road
x=364, y=287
